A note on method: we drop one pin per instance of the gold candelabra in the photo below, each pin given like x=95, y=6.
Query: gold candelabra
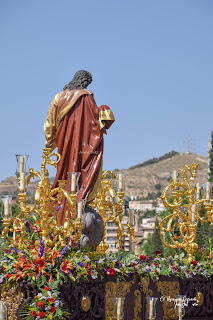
x=112, y=210
x=47, y=200
x=181, y=224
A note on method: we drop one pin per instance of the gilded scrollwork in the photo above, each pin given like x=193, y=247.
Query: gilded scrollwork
x=111, y=209
x=168, y=289
x=144, y=286
x=180, y=225
x=13, y=298
x=113, y=290
x=138, y=305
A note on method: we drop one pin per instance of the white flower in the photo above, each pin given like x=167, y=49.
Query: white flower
x=48, y=308
x=1, y=278
x=100, y=261
x=57, y=302
x=93, y=276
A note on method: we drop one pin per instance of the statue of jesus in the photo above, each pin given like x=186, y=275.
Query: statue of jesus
x=76, y=126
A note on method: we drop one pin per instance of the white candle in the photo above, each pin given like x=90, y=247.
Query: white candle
x=198, y=192
x=119, y=309
x=175, y=176
x=21, y=168
x=22, y=181
x=120, y=181
x=80, y=208
x=73, y=182
x=207, y=190
x=151, y=309
x=6, y=208
x=193, y=212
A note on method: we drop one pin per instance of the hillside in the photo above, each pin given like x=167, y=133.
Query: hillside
x=152, y=178
x=141, y=179
x=9, y=186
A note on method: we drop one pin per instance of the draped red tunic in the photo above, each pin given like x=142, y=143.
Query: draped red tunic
x=76, y=125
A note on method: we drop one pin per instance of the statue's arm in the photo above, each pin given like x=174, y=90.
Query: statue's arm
x=106, y=118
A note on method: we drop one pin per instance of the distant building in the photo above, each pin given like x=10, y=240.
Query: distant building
x=142, y=205
x=111, y=236
x=142, y=232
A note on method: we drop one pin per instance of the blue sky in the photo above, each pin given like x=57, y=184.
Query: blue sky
x=151, y=63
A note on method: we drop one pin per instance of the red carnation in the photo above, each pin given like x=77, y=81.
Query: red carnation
x=142, y=257
x=53, y=310
x=47, y=288
x=4, y=268
x=176, y=269
x=42, y=314
x=34, y=314
x=111, y=271
x=88, y=268
x=51, y=300
x=155, y=264
x=194, y=263
x=40, y=304
x=134, y=264
x=8, y=275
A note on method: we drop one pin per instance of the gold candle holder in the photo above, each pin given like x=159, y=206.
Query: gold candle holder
x=111, y=209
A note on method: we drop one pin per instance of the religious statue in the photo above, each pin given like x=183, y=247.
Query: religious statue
x=76, y=126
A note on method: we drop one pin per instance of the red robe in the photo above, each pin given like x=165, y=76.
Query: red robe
x=75, y=125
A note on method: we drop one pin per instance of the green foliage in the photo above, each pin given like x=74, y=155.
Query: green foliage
x=15, y=209
x=146, y=246
x=156, y=244
x=158, y=186
x=204, y=231
x=149, y=214
x=1, y=221
x=155, y=160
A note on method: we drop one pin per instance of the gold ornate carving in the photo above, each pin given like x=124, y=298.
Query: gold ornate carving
x=138, y=306
x=111, y=209
x=13, y=298
x=180, y=225
x=112, y=290
x=144, y=285
x=200, y=298
x=168, y=289
x=85, y=303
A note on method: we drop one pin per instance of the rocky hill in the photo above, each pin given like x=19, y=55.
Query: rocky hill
x=142, y=179
x=152, y=178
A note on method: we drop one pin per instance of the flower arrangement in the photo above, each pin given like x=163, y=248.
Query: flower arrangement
x=47, y=266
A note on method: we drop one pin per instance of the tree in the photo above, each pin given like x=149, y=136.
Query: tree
x=156, y=244
x=146, y=246
x=211, y=160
